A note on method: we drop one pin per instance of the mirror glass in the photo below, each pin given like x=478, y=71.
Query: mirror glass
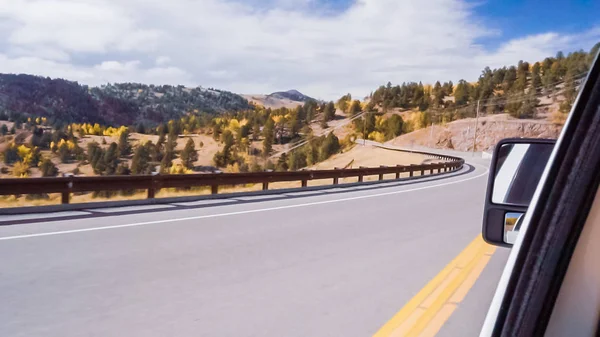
x=512, y=225
x=519, y=168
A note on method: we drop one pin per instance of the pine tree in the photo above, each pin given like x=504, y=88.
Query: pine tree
x=47, y=168
x=329, y=111
x=344, y=102
x=527, y=109
x=161, y=140
x=140, y=128
x=168, y=155
x=355, y=108
x=282, y=162
x=140, y=161
x=35, y=157
x=111, y=159
x=297, y=160
x=570, y=93
x=64, y=153
x=311, y=153
x=536, y=79
x=216, y=131
x=522, y=74
x=394, y=127
x=124, y=146
x=269, y=136
x=189, y=154
x=369, y=126
x=92, y=148
x=461, y=93
x=3, y=130
x=438, y=94
x=330, y=146
x=10, y=154
x=255, y=131
x=509, y=79
x=225, y=157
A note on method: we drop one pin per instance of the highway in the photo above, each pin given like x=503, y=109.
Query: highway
x=337, y=262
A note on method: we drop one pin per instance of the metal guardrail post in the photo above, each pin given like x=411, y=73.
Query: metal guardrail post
x=335, y=181
x=152, y=187
x=381, y=174
x=66, y=195
x=304, y=183
x=214, y=189
x=265, y=186
x=360, y=177
x=398, y=172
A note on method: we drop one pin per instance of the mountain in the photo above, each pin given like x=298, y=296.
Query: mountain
x=282, y=99
x=292, y=95
x=65, y=101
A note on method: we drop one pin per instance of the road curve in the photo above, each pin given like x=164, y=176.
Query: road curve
x=329, y=263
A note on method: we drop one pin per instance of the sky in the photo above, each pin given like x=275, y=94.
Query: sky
x=323, y=48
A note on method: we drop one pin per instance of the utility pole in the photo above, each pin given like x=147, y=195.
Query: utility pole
x=476, y=123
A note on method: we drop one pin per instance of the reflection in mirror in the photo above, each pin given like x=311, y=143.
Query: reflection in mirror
x=518, y=171
x=512, y=225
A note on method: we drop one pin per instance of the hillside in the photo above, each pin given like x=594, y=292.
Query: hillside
x=519, y=90
x=64, y=101
x=459, y=135
x=282, y=99
x=292, y=95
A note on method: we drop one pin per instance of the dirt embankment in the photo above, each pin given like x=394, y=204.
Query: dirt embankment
x=459, y=135
x=369, y=156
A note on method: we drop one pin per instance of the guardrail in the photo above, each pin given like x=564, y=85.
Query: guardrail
x=152, y=183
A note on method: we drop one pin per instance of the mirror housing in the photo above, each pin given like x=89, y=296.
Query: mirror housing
x=516, y=168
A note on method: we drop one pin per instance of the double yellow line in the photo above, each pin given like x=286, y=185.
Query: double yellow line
x=428, y=310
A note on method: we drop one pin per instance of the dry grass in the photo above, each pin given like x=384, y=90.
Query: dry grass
x=370, y=156
x=271, y=102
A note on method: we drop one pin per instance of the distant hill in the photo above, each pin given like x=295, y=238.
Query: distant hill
x=281, y=99
x=292, y=95
x=113, y=104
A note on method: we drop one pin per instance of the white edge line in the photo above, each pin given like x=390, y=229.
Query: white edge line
x=25, y=236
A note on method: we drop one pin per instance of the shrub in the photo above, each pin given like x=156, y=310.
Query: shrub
x=20, y=170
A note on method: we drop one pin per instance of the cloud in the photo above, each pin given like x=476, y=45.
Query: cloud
x=260, y=47
x=162, y=60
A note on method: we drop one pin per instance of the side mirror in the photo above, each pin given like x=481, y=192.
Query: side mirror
x=516, y=168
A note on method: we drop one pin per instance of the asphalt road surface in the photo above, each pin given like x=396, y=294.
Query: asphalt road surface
x=332, y=263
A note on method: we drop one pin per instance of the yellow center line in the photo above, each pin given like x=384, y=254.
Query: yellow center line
x=430, y=308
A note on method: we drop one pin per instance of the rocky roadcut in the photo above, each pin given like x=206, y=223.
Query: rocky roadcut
x=458, y=135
